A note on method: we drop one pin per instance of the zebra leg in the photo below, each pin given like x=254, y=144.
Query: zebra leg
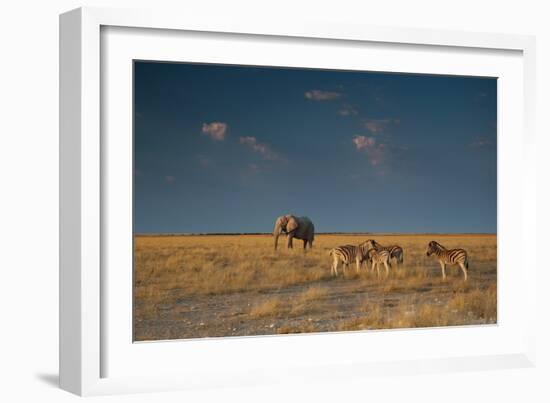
x=464, y=271
x=443, y=269
x=358, y=264
x=387, y=268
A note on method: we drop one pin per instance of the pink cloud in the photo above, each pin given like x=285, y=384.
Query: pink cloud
x=363, y=142
x=319, y=95
x=376, y=153
x=263, y=149
x=215, y=130
x=347, y=110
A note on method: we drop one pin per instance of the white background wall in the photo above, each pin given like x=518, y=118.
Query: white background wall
x=29, y=202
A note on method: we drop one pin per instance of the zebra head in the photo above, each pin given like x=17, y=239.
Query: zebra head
x=371, y=243
x=432, y=247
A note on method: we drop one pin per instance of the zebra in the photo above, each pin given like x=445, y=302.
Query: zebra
x=347, y=254
x=449, y=256
x=378, y=257
x=396, y=251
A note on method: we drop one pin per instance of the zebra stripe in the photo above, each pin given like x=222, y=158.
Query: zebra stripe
x=348, y=254
x=449, y=256
x=378, y=257
x=396, y=251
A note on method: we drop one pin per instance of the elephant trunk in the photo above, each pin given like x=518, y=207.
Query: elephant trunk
x=276, y=233
x=276, y=240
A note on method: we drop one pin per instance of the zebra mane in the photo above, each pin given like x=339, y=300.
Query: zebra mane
x=363, y=245
x=437, y=244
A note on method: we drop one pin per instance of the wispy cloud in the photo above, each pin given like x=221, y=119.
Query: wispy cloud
x=263, y=149
x=320, y=95
x=377, y=126
x=348, y=110
x=170, y=178
x=376, y=153
x=215, y=130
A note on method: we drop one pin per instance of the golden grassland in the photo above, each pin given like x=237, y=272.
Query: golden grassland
x=234, y=285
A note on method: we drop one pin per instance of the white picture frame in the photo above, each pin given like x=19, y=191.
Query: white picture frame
x=88, y=336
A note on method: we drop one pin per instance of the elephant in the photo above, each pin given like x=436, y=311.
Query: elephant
x=295, y=227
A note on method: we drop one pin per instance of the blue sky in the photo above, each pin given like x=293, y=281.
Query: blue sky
x=229, y=148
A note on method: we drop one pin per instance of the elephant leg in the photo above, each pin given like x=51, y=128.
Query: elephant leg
x=305, y=244
x=289, y=242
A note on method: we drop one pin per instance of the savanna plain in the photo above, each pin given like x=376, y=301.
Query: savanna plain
x=191, y=286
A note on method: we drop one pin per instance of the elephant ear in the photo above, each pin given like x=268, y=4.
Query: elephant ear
x=292, y=224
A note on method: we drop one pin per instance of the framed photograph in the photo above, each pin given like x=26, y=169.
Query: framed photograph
x=236, y=199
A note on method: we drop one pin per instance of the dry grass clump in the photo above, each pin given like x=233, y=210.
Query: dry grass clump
x=270, y=307
x=308, y=301
x=279, y=307
x=312, y=294
x=481, y=304
x=462, y=308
